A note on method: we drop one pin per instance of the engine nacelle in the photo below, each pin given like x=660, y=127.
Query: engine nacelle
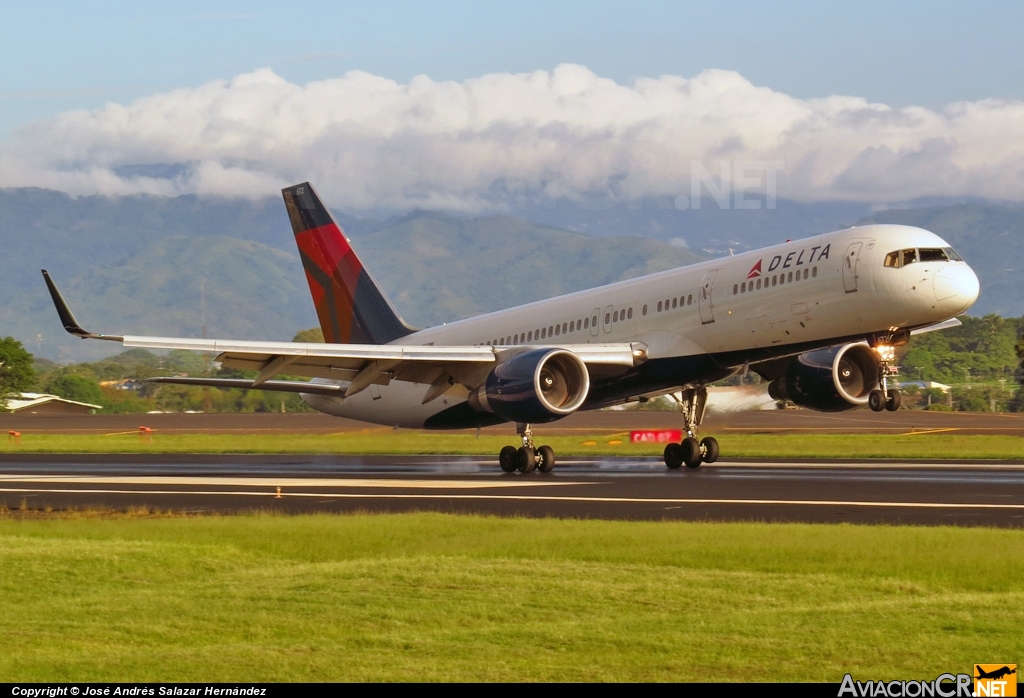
x=535, y=387
x=829, y=380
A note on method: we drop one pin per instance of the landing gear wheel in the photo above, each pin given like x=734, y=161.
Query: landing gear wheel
x=673, y=456
x=507, y=459
x=547, y=459
x=709, y=446
x=527, y=459
x=691, y=452
x=893, y=403
x=876, y=400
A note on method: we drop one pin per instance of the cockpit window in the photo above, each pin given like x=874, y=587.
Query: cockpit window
x=900, y=257
x=951, y=253
x=932, y=254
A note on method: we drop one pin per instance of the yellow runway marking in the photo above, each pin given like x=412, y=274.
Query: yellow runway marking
x=280, y=482
x=927, y=431
x=546, y=498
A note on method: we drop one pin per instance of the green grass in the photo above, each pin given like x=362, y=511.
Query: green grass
x=441, y=597
x=414, y=442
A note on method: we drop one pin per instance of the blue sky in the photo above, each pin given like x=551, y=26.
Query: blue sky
x=61, y=56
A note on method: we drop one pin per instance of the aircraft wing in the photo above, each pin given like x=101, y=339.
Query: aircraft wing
x=361, y=365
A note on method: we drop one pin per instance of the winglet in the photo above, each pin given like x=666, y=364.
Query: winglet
x=67, y=318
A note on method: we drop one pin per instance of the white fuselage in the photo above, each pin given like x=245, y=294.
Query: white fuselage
x=748, y=307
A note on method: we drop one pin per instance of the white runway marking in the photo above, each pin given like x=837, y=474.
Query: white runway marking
x=543, y=498
x=154, y=480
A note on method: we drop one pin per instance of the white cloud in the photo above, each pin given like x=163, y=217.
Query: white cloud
x=369, y=142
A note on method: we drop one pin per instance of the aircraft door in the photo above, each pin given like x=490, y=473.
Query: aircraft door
x=594, y=315
x=606, y=323
x=850, y=266
x=704, y=297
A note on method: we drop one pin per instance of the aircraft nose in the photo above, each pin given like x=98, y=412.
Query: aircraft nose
x=956, y=287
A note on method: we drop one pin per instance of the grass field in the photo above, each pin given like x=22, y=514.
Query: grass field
x=386, y=441
x=95, y=597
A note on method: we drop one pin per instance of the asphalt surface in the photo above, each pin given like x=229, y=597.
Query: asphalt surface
x=966, y=493
x=604, y=421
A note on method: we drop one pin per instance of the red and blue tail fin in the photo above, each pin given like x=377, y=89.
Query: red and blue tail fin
x=351, y=307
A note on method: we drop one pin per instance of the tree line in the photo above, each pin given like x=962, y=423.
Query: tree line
x=983, y=361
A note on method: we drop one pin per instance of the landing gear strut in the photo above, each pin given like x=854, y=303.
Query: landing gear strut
x=884, y=397
x=690, y=451
x=528, y=457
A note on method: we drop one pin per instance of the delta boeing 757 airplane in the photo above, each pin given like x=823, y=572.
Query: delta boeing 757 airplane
x=818, y=318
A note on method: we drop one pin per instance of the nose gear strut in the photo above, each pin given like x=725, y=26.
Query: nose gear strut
x=692, y=403
x=884, y=397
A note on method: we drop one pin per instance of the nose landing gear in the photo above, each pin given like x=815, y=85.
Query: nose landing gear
x=884, y=397
x=689, y=451
x=528, y=457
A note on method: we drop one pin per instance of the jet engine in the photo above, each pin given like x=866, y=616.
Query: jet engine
x=829, y=380
x=534, y=387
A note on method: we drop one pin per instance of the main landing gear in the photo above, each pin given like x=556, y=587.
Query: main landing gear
x=689, y=451
x=527, y=457
x=884, y=397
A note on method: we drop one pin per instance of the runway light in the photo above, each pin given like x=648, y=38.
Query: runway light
x=886, y=352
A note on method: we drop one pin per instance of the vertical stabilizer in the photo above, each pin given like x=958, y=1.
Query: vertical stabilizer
x=351, y=307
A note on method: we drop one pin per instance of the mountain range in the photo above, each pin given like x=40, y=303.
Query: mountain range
x=191, y=266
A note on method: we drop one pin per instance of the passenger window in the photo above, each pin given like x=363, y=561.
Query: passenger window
x=814, y=272
x=931, y=255
x=806, y=272
x=607, y=318
x=586, y=323
x=735, y=289
x=673, y=304
x=775, y=281
x=572, y=326
x=909, y=257
x=743, y=287
x=564, y=327
x=543, y=333
x=659, y=306
x=644, y=311
x=629, y=314
x=689, y=299
x=759, y=284
x=550, y=328
x=790, y=277
x=615, y=316
x=558, y=329
x=515, y=339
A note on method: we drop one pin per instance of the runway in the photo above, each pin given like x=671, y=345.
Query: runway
x=964, y=493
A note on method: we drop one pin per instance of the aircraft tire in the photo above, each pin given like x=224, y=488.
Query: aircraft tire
x=527, y=459
x=876, y=400
x=691, y=452
x=674, y=456
x=547, y=459
x=508, y=459
x=893, y=402
x=709, y=445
